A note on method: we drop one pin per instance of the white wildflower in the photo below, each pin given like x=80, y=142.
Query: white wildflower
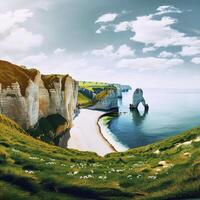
x=15, y=150
x=29, y=171
x=130, y=176
x=50, y=163
x=197, y=139
x=152, y=177
x=119, y=170
x=187, y=154
x=163, y=163
x=33, y=158
x=138, y=176
x=187, y=143
x=157, y=151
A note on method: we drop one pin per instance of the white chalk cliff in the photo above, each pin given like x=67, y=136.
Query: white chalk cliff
x=26, y=95
x=121, y=89
x=107, y=100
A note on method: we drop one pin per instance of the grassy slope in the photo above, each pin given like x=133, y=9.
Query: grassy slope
x=83, y=100
x=99, y=88
x=91, y=85
x=30, y=168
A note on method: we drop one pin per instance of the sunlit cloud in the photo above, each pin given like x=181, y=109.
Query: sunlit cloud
x=196, y=60
x=108, y=17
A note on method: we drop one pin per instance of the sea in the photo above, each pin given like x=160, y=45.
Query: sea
x=171, y=111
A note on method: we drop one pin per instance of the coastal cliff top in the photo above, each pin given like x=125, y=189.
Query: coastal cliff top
x=49, y=80
x=103, y=94
x=11, y=73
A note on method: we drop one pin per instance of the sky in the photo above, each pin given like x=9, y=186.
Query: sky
x=144, y=43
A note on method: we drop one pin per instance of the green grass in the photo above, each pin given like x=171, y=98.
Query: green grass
x=83, y=100
x=107, y=118
x=91, y=84
x=99, y=89
x=32, y=169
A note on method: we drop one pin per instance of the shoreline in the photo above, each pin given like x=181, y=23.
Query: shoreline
x=102, y=135
x=109, y=136
x=86, y=133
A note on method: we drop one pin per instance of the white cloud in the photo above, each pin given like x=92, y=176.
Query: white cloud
x=59, y=51
x=68, y=64
x=167, y=9
x=190, y=50
x=166, y=54
x=123, y=26
x=43, y=5
x=196, y=60
x=109, y=52
x=109, y=17
x=124, y=51
x=34, y=59
x=149, y=63
x=9, y=19
x=20, y=40
x=157, y=32
x=147, y=49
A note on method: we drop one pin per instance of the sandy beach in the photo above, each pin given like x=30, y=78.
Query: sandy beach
x=85, y=134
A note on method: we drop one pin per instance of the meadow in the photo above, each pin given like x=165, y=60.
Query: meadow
x=30, y=168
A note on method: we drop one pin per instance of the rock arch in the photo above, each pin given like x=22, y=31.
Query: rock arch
x=137, y=99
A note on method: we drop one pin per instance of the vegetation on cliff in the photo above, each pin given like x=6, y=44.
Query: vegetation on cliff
x=30, y=168
x=92, y=92
x=14, y=73
x=50, y=80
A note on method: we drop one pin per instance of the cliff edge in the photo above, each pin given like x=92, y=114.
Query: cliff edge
x=26, y=95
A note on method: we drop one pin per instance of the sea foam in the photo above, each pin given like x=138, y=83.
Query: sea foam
x=110, y=137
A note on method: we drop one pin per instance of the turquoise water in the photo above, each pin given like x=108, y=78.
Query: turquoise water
x=171, y=111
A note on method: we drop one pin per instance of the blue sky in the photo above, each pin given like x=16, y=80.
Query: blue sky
x=145, y=43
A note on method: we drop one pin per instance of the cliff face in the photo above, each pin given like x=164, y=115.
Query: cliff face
x=106, y=100
x=26, y=95
x=125, y=88
x=121, y=89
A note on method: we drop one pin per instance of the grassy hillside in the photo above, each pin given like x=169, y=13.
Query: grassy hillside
x=92, y=85
x=32, y=169
x=83, y=100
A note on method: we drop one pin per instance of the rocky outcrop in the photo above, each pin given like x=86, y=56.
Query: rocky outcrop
x=125, y=88
x=137, y=99
x=106, y=100
x=26, y=95
x=121, y=89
